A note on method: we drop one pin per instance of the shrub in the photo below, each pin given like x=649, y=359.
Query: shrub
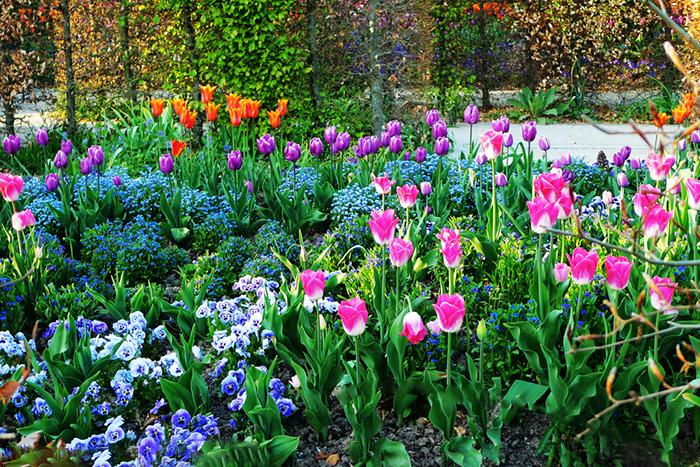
x=272, y=235
x=209, y=234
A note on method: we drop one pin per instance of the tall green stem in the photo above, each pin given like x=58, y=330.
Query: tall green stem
x=493, y=199
x=449, y=358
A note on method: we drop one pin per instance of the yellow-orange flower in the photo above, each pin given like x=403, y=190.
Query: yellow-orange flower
x=275, y=118
x=251, y=108
x=188, y=118
x=233, y=101
x=660, y=119
x=157, y=106
x=177, y=147
x=282, y=106
x=207, y=93
x=212, y=111
x=235, y=115
x=684, y=109
x=178, y=105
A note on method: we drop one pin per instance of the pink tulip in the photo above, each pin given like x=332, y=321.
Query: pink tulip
x=481, y=159
x=662, y=294
x=23, y=219
x=447, y=236
x=492, y=144
x=561, y=272
x=353, y=314
x=673, y=185
x=383, y=224
x=618, y=269
x=656, y=220
x=400, y=251
x=407, y=195
x=543, y=215
x=552, y=187
x=659, y=165
x=607, y=198
x=413, y=328
x=434, y=327
x=450, y=312
x=452, y=254
x=10, y=186
x=692, y=185
x=583, y=265
x=382, y=184
x=645, y=198
x=313, y=282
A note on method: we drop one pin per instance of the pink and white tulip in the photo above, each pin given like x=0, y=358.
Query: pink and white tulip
x=407, y=195
x=618, y=269
x=383, y=224
x=313, y=283
x=400, y=251
x=450, y=312
x=413, y=328
x=353, y=315
x=583, y=265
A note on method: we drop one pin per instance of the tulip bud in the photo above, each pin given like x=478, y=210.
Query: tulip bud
x=695, y=137
x=42, y=137
x=481, y=330
x=52, y=182
x=529, y=131
x=439, y=129
x=622, y=181
x=85, y=166
x=234, y=160
x=432, y=116
x=166, y=164
x=421, y=154
x=507, y=140
x=96, y=155
x=117, y=180
x=544, y=143
x=38, y=252
x=321, y=322
x=682, y=144
x=425, y=188
x=607, y=198
x=635, y=164
x=330, y=134
x=471, y=114
x=316, y=147
x=442, y=146
x=395, y=144
x=561, y=272
x=249, y=186
x=296, y=384
x=292, y=152
x=60, y=161
x=481, y=159
x=501, y=179
x=66, y=146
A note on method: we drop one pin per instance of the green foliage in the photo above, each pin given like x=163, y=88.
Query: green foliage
x=535, y=105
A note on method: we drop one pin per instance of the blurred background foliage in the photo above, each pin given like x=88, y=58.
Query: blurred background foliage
x=319, y=53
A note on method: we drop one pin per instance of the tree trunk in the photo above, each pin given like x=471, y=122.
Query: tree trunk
x=312, y=31
x=376, y=80
x=126, y=53
x=191, y=40
x=9, y=116
x=70, y=78
x=482, y=72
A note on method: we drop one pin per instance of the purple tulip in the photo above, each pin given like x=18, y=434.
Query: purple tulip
x=622, y=180
x=395, y=144
x=316, y=147
x=502, y=124
x=432, y=116
x=421, y=154
x=682, y=144
x=567, y=175
x=635, y=164
x=384, y=139
x=544, y=143
x=52, y=182
x=330, y=134
x=266, y=144
x=166, y=163
x=442, y=146
x=375, y=144
x=249, y=186
x=501, y=179
x=60, y=160
x=42, y=137
x=695, y=137
x=234, y=159
x=96, y=155
x=85, y=165
x=471, y=114
x=440, y=129
x=529, y=131
x=425, y=188
x=343, y=141
x=292, y=152
x=117, y=180
x=364, y=146
x=11, y=144
x=393, y=128
x=507, y=140
x=481, y=159
x=67, y=146
x=407, y=156
x=621, y=156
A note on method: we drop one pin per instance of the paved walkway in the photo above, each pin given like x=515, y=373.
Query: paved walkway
x=581, y=140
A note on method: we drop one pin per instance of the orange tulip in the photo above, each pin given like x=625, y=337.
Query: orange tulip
x=212, y=111
x=282, y=106
x=207, y=93
x=188, y=118
x=157, y=106
x=177, y=147
x=235, y=116
x=684, y=108
x=233, y=101
x=178, y=105
x=251, y=108
x=275, y=118
x=256, y=108
x=660, y=119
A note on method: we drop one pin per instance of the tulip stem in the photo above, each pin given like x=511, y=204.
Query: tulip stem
x=449, y=358
x=578, y=305
x=398, y=293
x=493, y=199
x=383, y=291
x=357, y=361
x=318, y=327
x=538, y=275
